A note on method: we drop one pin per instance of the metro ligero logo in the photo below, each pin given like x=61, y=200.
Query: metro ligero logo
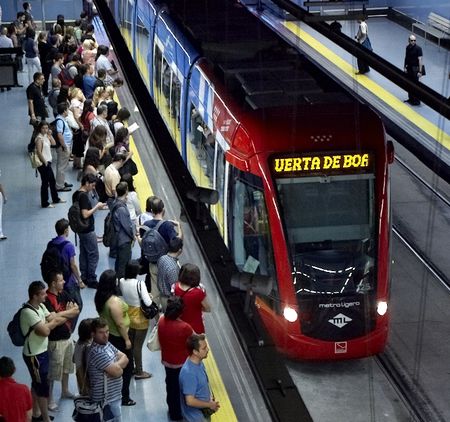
x=340, y=320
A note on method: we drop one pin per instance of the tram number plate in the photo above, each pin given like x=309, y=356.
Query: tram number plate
x=340, y=347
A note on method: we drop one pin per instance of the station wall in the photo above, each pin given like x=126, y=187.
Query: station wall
x=416, y=9
x=48, y=9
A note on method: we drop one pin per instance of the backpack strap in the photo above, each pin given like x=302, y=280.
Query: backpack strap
x=27, y=305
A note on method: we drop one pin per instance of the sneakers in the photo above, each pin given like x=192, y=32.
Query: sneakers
x=64, y=189
x=53, y=407
x=60, y=201
x=40, y=418
x=91, y=284
x=128, y=402
x=68, y=185
x=3, y=237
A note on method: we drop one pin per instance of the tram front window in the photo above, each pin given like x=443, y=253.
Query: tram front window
x=330, y=226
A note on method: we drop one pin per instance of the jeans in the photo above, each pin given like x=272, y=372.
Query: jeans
x=123, y=255
x=112, y=412
x=47, y=181
x=137, y=338
x=62, y=163
x=88, y=256
x=119, y=343
x=173, y=393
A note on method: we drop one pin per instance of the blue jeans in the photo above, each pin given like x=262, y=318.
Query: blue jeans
x=88, y=256
x=123, y=255
x=112, y=412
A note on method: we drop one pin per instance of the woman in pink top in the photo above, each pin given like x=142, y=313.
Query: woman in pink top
x=188, y=287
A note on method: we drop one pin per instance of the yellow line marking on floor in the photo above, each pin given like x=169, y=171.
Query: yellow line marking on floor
x=415, y=118
x=144, y=190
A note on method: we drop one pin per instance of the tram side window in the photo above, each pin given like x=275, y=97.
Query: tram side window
x=251, y=241
x=203, y=140
x=142, y=37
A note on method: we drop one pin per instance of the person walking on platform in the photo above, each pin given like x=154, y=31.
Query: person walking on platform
x=88, y=240
x=413, y=66
x=197, y=402
x=3, y=200
x=363, y=38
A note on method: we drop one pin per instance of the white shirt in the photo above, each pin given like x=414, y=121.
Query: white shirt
x=130, y=292
x=133, y=205
x=6, y=42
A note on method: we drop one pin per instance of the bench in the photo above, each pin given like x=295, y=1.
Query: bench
x=437, y=26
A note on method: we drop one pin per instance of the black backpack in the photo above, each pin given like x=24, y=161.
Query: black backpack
x=52, y=127
x=76, y=221
x=153, y=245
x=109, y=232
x=52, y=260
x=14, y=330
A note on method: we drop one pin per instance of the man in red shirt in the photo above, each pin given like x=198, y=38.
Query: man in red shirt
x=172, y=334
x=15, y=399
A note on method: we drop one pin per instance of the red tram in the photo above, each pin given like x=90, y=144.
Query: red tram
x=301, y=168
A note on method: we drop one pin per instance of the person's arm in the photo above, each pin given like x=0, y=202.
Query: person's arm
x=28, y=415
x=144, y=293
x=206, y=307
x=177, y=227
x=60, y=134
x=125, y=222
x=115, y=307
x=114, y=370
x=76, y=272
x=43, y=328
x=31, y=109
x=85, y=212
x=200, y=404
x=2, y=191
x=420, y=65
x=137, y=205
x=72, y=310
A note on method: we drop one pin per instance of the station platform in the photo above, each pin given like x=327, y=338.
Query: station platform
x=29, y=228
x=424, y=125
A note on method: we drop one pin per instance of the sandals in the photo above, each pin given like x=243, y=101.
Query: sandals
x=128, y=402
x=142, y=375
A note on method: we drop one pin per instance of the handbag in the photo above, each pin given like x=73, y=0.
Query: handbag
x=34, y=160
x=153, y=340
x=87, y=410
x=148, y=311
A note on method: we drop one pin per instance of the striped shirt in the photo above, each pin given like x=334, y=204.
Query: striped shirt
x=168, y=269
x=100, y=356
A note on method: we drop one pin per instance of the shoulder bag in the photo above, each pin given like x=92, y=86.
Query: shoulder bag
x=148, y=311
x=153, y=340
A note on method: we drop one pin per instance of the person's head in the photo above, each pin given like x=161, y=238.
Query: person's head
x=175, y=245
x=42, y=37
x=149, y=202
x=101, y=74
x=88, y=44
x=76, y=58
x=118, y=159
x=82, y=69
x=56, y=83
x=20, y=16
x=42, y=127
x=69, y=31
x=174, y=309
x=90, y=69
x=117, y=82
x=38, y=78
x=189, y=275
x=121, y=136
x=98, y=137
x=36, y=291
x=90, y=29
x=109, y=91
x=102, y=110
x=197, y=346
x=11, y=29
x=85, y=330
x=58, y=59
x=122, y=189
x=77, y=23
x=60, y=20
x=26, y=6
x=128, y=179
x=123, y=115
x=107, y=287
x=7, y=367
x=100, y=331
x=30, y=33
x=76, y=93
x=55, y=281
x=63, y=95
x=83, y=15
x=132, y=269
x=157, y=205
x=53, y=40
x=88, y=181
x=62, y=108
x=102, y=50
x=412, y=39
x=87, y=107
x=92, y=157
x=62, y=227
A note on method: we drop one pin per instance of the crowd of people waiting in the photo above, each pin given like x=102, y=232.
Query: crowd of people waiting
x=87, y=127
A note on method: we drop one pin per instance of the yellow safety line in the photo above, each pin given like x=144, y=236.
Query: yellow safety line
x=143, y=188
x=415, y=118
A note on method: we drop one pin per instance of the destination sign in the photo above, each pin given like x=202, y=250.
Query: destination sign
x=321, y=163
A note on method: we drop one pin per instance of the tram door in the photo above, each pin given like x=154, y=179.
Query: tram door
x=142, y=45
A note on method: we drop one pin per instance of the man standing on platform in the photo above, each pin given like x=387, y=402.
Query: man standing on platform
x=197, y=402
x=36, y=101
x=413, y=66
x=63, y=147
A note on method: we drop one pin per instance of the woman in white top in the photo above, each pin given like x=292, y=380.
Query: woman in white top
x=132, y=291
x=43, y=141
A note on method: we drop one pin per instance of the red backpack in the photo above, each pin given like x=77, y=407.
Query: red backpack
x=64, y=76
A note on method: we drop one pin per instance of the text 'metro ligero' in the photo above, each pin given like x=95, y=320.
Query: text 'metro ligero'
x=323, y=163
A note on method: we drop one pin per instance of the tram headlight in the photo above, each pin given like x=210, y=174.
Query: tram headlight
x=290, y=314
x=382, y=307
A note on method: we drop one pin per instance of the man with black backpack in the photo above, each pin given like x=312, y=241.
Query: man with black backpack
x=88, y=240
x=156, y=239
x=60, y=257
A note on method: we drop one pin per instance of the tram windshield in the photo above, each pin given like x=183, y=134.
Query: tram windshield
x=330, y=226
